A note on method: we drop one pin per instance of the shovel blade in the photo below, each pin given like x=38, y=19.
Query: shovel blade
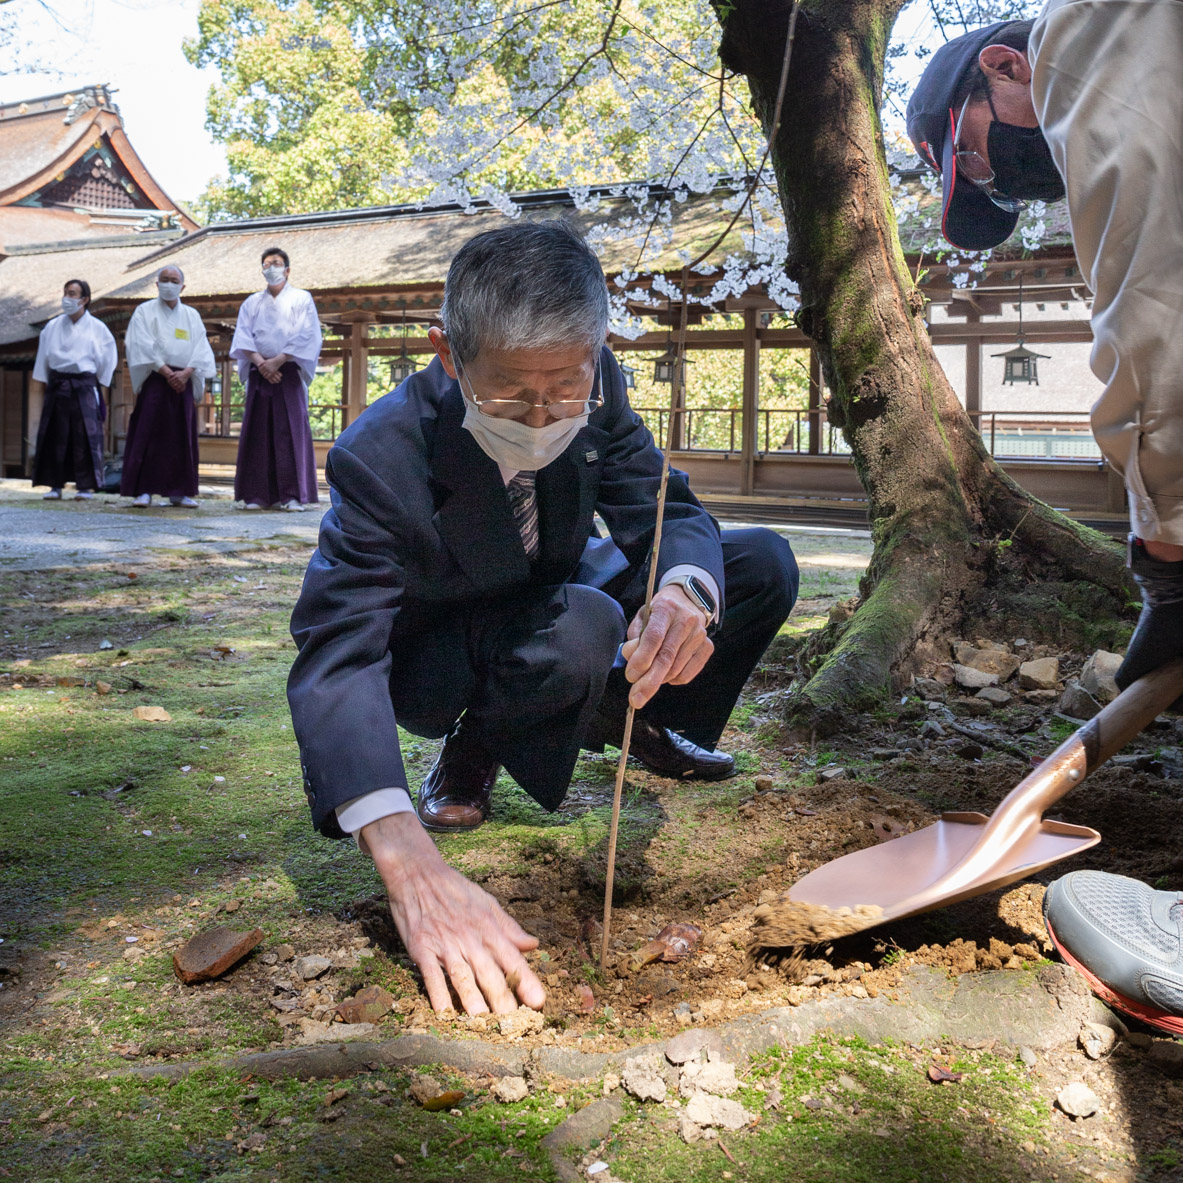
x=917, y=872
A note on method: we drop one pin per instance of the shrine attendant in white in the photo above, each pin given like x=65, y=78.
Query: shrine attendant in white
x=277, y=342
x=170, y=359
x=76, y=359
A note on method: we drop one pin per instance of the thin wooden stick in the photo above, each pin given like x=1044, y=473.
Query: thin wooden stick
x=676, y=388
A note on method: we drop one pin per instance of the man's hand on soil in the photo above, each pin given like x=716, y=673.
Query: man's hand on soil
x=672, y=646
x=453, y=930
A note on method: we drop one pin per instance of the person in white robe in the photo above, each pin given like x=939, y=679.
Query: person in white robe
x=277, y=343
x=170, y=360
x=76, y=359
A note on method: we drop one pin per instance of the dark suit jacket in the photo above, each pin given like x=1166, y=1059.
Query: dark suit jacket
x=420, y=520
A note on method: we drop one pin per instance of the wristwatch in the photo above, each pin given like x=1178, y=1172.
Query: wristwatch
x=700, y=594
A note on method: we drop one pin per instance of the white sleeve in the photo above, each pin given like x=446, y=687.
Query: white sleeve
x=699, y=573
x=359, y=812
x=108, y=355
x=202, y=359
x=140, y=345
x=41, y=365
x=304, y=344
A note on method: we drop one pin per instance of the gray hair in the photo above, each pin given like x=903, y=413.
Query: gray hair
x=171, y=267
x=530, y=285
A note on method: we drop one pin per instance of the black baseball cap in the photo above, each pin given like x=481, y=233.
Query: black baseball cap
x=969, y=219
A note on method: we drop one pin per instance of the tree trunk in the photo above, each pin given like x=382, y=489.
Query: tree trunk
x=947, y=522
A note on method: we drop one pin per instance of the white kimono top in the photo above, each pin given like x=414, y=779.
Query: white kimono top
x=158, y=335
x=82, y=347
x=270, y=325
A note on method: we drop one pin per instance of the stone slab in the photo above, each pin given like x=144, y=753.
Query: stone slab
x=211, y=953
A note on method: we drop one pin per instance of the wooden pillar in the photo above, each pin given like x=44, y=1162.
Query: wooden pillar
x=228, y=369
x=973, y=370
x=815, y=404
x=749, y=415
x=355, y=372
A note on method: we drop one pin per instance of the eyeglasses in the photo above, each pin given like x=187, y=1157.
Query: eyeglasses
x=973, y=168
x=514, y=408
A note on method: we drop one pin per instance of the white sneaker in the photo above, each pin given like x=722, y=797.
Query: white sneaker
x=52, y=495
x=142, y=500
x=83, y=495
x=187, y=502
x=251, y=505
x=293, y=506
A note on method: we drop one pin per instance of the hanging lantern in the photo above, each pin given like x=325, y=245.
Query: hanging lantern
x=629, y=374
x=1020, y=364
x=215, y=386
x=403, y=366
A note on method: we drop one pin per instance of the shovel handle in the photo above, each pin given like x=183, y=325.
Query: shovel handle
x=1102, y=736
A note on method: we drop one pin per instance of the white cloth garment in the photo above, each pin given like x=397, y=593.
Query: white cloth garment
x=84, y=346
x=1108, y=93
x=270, y=325
x=359, y=812
x=158, y=335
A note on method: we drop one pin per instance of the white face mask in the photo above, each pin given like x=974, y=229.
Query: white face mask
x=274, y=274
x=70, y=305
x=168, y=290
x=516, y=445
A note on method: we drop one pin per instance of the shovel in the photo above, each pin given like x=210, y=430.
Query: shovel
x=968, y=854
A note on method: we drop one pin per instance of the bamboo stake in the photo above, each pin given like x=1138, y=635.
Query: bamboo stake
x=677, y=387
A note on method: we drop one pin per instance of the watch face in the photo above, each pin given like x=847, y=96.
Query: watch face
x=700, y=593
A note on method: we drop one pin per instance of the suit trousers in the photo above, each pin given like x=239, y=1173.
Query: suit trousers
x=529, y=671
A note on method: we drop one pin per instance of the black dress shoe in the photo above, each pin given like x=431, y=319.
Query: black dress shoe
x=661, y=750
x=456, y=793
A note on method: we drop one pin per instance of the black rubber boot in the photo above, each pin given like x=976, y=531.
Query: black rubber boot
x=1158, y=637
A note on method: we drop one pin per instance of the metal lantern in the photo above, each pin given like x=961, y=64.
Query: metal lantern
x=215, y=386
x=403, y=366
x=665, y=367
x=1021, y=365
x=629, y=374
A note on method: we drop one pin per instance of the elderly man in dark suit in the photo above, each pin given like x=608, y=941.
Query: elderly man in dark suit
x=461, y=588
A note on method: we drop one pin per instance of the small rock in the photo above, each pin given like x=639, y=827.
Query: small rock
x=1139, y=1039
x=712, y=1076
x=1040, y=697
x=1041, y=674
x=1097, y=675
x=688, y=1130
x=426, y=1088
x=285, y=952
x=312, y=966
x=313, y=1031
x=1166, y=1052
x=213, y=952
x=102, y=687
x=611, y=1083
x=1027, y=1056
x=885, y=753
x=687, y=1045
x=943, y=675
x=232, y=905
x=368, y=1005
x=976, y=706
x=988, y=661
x=642, y=1078
x=509, y=1090
x=850, y=1084
x=523, y=1021
x=833, y=772
x=929, y=689
x=1096, y=1040
x=969, y=750
x=995, y=696
x=1078, y=1100
x=706, y=1110
x=763, y=784
x=1077, y=703
x=970, y=679
x=152, y=715
x=931, y=729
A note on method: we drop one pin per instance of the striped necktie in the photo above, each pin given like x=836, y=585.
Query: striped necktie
x=523, y=501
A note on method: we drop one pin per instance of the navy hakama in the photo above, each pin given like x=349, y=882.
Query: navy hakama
x=161, y=452
x=70, y=433
x=276, y=461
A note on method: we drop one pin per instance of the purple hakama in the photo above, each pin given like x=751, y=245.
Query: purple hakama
x=276, y=461
x=70, y=434
x=161, y=452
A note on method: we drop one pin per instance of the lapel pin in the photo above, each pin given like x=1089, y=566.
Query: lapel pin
x=591, y=457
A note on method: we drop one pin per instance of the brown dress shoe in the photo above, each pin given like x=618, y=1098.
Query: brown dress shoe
x=457, y=791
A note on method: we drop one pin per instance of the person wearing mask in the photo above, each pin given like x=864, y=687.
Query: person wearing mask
x=277, y=342
x=1085, y=102
x=76, y=359
x=461, y=591
x=170, y=359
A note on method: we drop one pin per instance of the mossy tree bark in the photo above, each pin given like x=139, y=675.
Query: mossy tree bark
x=946, y=520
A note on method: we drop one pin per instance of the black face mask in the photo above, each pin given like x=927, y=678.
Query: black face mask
x=1022, y=162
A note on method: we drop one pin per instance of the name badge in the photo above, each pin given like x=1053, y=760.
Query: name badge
x=591, y=457
x=181, y=334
